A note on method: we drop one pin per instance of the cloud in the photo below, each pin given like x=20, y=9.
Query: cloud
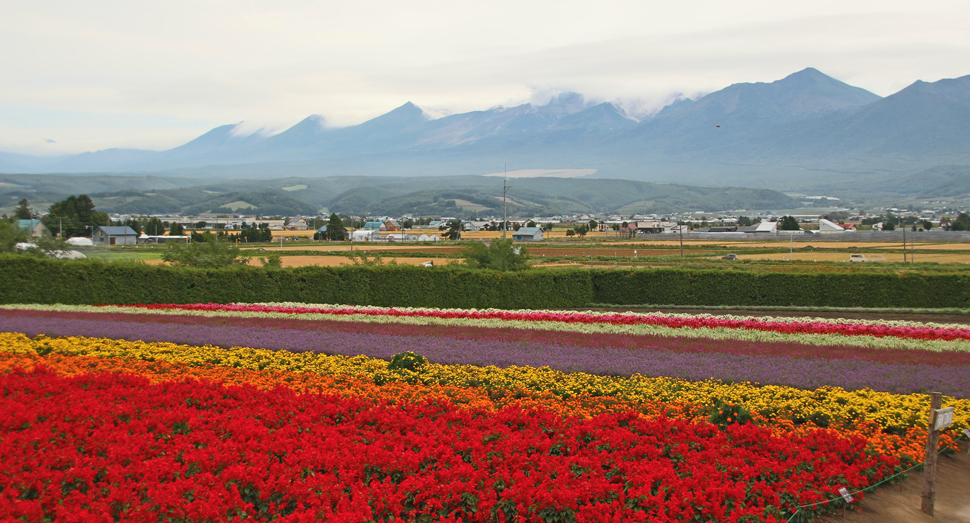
x=50, y=141
x=148, y=75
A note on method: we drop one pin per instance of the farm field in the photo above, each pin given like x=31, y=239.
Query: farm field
x=934, y=257
x=331, y=261
x=313, y=411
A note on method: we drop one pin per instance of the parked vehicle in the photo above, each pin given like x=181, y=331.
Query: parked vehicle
x=731, y=256
x=857, y=258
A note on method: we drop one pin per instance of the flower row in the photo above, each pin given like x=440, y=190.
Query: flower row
x=115, y=447
x=788, y=326
x=686, y=358
x=885, y=342
x=826, y=406
x=398, y=391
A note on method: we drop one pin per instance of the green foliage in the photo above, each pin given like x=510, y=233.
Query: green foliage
x=75, y=214
x=11, y=234
x=454, y=230
x=960, y=223
x=94, y=281
x=741, y=288
x=723, y=414
x=789, y=223
x=272, y=261
x=889, y=226
x=256, y=233
x=28, y=280
x=499, y=255
x=335, y=229
x=23, y=210
x=360, y=258
x=211, y=254
x=176, y=229
x=154, y=227
x=407, y=361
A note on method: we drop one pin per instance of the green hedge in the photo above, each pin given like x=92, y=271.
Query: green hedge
x=732, y=287
x=32, y=280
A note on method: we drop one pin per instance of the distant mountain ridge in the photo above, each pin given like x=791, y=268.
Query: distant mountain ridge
x=801, y=129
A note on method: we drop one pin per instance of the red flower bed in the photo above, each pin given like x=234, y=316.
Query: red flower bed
x=848, y=329
x=114, y=447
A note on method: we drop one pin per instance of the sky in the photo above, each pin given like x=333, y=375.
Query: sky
x=84, y=76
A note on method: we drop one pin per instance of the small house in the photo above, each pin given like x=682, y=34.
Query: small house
x=527, y=234
x=115, y=235
x=36, y=227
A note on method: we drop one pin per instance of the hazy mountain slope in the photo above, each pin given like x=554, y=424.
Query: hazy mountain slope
x=925, y=122
x=737, y=113
x=803, y=131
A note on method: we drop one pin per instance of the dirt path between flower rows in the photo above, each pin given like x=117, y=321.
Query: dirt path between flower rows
x=900, y=503
x=963, y=319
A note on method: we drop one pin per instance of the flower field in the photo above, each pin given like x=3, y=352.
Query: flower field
x=301, y=412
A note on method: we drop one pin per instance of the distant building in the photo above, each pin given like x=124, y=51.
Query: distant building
x=36, y=227
x=115, y=235
x=527, y=234
x=828, y=226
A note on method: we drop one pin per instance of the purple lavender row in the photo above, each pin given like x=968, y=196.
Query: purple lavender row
x=796, y=372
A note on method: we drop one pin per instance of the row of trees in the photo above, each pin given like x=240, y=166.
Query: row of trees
x=74, y=216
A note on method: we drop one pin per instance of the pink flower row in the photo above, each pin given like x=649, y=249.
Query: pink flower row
x=710, y=322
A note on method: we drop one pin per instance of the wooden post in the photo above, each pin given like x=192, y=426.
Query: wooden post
x=929, y=461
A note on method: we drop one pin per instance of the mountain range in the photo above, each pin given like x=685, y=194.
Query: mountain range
x=380, y=196
x=804, y=131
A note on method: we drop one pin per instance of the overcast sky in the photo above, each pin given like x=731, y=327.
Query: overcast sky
x=79, y=76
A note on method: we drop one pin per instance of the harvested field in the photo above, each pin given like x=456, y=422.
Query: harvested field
x=331, y=261
x=938, y=257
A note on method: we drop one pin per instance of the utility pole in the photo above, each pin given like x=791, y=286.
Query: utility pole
x=681, y=229
x=903, y=227
x=505, y=201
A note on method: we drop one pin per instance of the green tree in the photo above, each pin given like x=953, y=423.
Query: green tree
x=272, y=261
x=23, y=210
x=789, y=223
x=335, y=228
x=176, y=229
x=85, y=209
x=499, y=255
x=889, y=226
x=154, y=227
x=960, y=223
x=11, y=234
x=570, y=232
x=211, y=254
x=581, y=230
x=75, y=216
x=530, y=224
x=454, y=230
x=134, y=224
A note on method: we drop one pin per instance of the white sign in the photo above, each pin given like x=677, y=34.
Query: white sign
x=944, y=418
x=845, y=495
